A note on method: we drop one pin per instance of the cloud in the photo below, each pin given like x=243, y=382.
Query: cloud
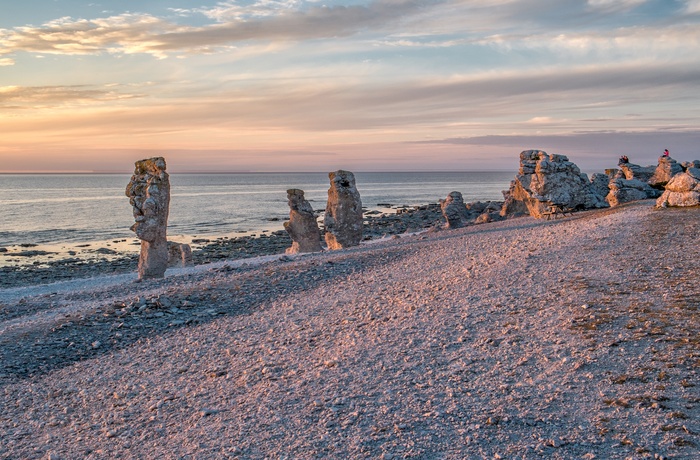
x=632, y=42
x=692, y=6
x=565, y=99
x=226, y=12
x=593, y=151
x=127, y=33
x=616, y=5
x=142, y=33
x=6, y=62
x=23, y=97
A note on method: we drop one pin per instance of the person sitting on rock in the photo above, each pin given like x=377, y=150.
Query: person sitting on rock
x=665, y=154
x=623, y=160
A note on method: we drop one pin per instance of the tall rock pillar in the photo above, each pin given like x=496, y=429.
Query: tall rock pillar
x=454, y=210
x=149, y=194
x=343, y=219
x=302, y=226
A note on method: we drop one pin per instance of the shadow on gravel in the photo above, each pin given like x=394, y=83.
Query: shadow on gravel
x=194, y=300
x=190, y=301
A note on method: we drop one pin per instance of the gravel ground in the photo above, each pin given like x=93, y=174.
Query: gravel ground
x=571, y=338
x=28, y=270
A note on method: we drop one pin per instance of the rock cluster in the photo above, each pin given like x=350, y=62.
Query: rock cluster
x=682, y=189
x=343, y=218
x=149, y=195
x=457, y=214
x=302, y=226
x=544, y=180
x=633, y=182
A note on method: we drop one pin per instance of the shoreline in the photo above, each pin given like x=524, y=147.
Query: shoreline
x=522, y=338
x=43, y=264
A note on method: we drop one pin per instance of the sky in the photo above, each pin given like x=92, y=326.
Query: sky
x=379, y=85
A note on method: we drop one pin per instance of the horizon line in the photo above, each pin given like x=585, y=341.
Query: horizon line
x=27, y=173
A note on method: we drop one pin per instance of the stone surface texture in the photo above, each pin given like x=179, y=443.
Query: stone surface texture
x=626, y=190
x=343, y=218
x=149, y=195
x=682, y=190
x=634, y=171
x=601, y=182
x=301, y=226
x=665, y=170
x=454, y=210
x=179, y=255
x=545, y=179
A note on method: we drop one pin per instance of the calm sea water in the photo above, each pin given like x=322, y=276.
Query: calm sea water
x=65, y=208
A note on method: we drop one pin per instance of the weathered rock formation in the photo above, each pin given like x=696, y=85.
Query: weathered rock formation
x=690, y=164
x=343, y=219
x=302, y=226
x=179, y=255
x=454, y=210
x=485, y=211
x=682, y=190
x=545, y=179
x=149, y=194
x=626, y=190
x=633, y=171
x=601, y=182
x=633, y=182
x=666, y=169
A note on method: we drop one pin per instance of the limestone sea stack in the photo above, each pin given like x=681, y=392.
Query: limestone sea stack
x=454, y=210
x=544, y=180
x=343, y=219
x=149, y=194
x=302, y=226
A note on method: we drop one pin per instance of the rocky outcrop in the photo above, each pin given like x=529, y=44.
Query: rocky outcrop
x=601, y=182
x=641, y=173
x=626, y=190
x=485, y=211
x=302, y=226
x=149, y=195
x=545, y=179
x=666, y=169
x=454, y=210
x=179, y=255
x=682, y=190
x=633, y=182
x=343, y=218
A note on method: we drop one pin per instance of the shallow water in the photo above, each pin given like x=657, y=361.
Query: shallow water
x=69, y=209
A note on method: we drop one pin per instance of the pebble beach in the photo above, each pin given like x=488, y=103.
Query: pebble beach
x=567, y=338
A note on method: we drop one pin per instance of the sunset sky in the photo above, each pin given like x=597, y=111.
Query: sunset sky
x=267, y=85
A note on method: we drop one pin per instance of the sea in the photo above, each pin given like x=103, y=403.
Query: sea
x=64, y=210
